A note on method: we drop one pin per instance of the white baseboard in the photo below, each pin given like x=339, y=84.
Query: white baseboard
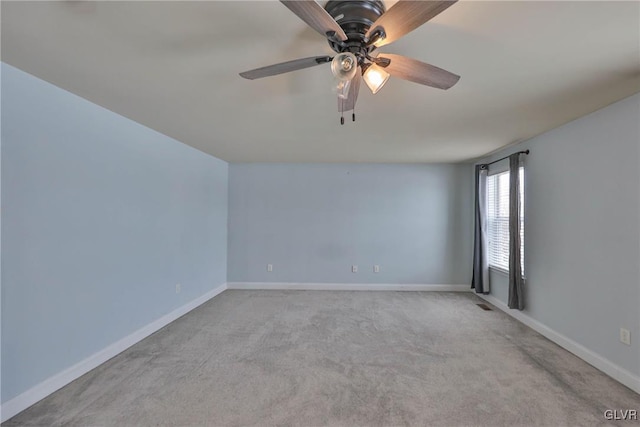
x=605, y=365
x=345, y=286
x=48, y=386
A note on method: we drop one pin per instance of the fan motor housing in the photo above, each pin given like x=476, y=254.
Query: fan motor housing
x=355, y=17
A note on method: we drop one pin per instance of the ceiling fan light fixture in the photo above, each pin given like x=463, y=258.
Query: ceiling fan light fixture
x=375, y=77
x=344, y=66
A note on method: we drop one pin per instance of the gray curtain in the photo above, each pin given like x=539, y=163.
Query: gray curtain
x=480, y=278
x=516, y=282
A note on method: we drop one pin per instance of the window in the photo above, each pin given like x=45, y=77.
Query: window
x=498, y=219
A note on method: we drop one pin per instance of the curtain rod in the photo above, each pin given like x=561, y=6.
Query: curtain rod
x=484, y=165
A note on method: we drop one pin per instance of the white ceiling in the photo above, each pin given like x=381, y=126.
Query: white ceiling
x=526, y=67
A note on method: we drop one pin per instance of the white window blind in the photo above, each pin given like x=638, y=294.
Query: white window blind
x=498, y=219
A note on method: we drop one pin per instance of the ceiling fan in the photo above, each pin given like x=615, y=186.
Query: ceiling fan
x=354, y=30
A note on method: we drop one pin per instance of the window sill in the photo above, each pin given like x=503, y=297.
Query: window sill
x=502, y=271
x=499, y=270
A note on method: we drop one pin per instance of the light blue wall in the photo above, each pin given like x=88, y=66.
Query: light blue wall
x=313, y=221
x=582, y=231
x=101, y=219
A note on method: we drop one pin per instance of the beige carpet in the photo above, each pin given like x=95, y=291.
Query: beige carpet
x=310, y=358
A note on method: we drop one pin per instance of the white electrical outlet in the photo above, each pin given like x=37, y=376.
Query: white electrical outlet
x=376, y=269
x=625, y=336
x=354, y=268
x=269, y=267
x=178, y=288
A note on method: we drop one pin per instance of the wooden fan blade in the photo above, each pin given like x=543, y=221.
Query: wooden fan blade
x=350, y=102
x=315, y=16
x=285, y=67
x=405, y=16
x=419, y=72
